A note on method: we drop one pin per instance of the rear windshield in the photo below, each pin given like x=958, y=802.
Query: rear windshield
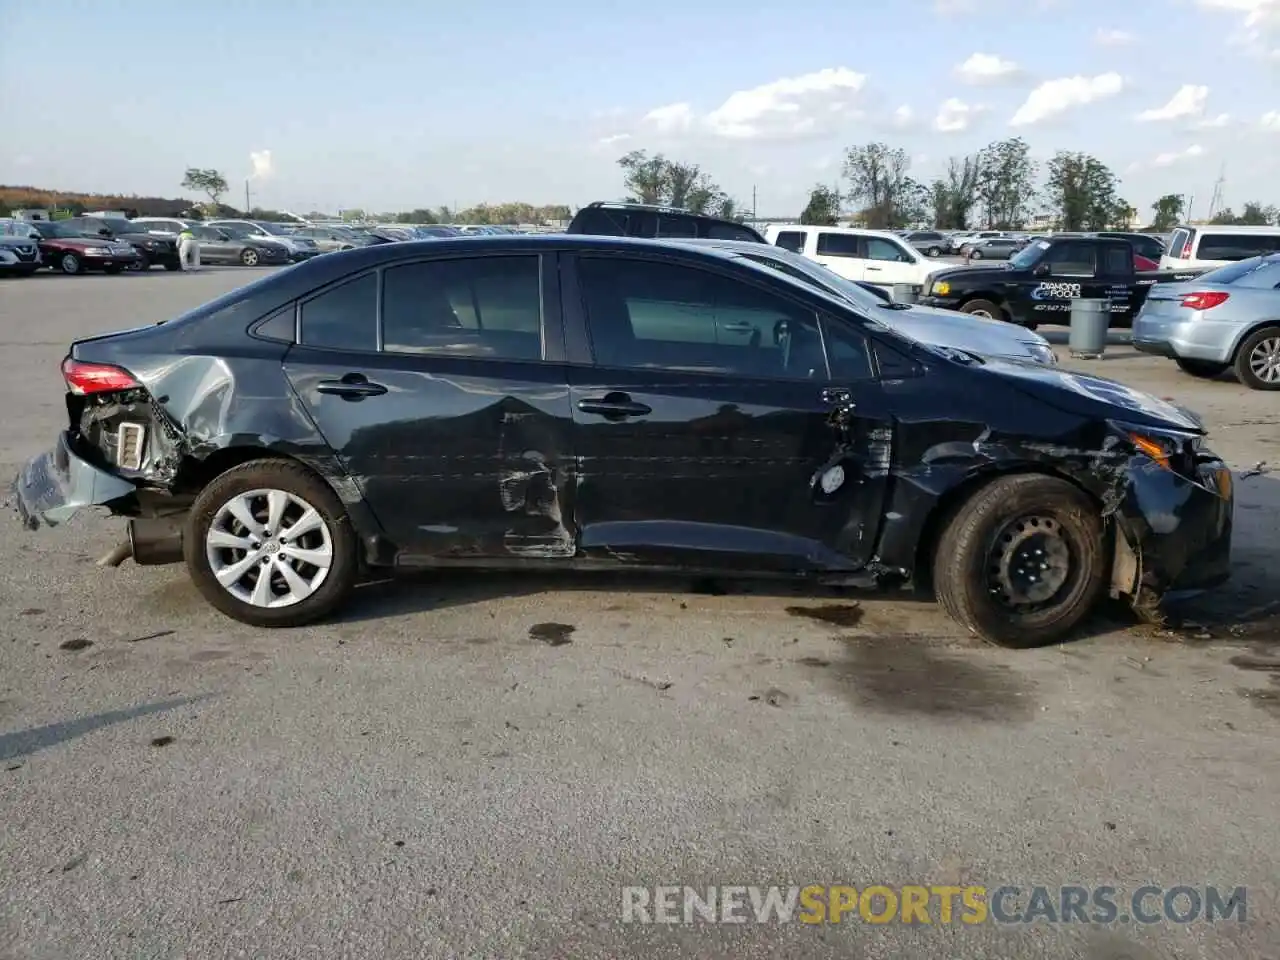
x=1236, y=246
x=1254, y=272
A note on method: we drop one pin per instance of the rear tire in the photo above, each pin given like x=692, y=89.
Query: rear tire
x=249, y=257
x=1258, y=360
x=328, y=536
x=975, y=254
x=70, y=264
x=1207, y=369
x=1022, y=562
x=983, y=308
x=933, y=252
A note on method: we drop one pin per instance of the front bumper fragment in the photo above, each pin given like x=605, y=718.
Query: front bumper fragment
x=55, y=485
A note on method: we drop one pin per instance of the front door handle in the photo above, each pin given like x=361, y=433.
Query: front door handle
x=874, y=269
x=353, y=386
x=738, y=327
x=837, y=395
x=614, y=406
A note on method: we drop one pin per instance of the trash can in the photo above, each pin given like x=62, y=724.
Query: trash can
x=906, y=293
x=1089, y=322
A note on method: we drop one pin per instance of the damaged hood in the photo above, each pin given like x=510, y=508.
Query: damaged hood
x=1091, y=396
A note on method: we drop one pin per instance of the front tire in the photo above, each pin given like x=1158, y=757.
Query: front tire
x=70, y=264
x=1023, y=561
x=975, y=254
x=1206, y=369
x=983, y=308
x=277, y=520
x=249, y=257
x=933, y=252
x=1258, y=360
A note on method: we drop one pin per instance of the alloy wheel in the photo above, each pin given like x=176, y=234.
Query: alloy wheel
x=269, y=548
x=1264, y=360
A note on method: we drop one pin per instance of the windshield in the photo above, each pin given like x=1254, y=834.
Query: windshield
x=823, y=278
x=47, y=228
x=1029, y=254
x=275, y=229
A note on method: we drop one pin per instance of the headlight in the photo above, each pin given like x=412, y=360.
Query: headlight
x=1167, y=447
x=1041, y=352
x=942, y=288
x=96, y=252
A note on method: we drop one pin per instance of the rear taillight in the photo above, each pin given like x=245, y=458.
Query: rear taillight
x=85, y=378
x=1186, y=251
x=1205, y=300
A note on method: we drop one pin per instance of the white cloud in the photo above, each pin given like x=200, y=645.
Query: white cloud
x=1212, y=123
x=985, y=68
x=904, y=117
x=1054, y=97
x=1270, y=120
x=955, y=116
x=1259, y=29
x=673, y=118
x=787, y=107
x=613, y=138
x=1112, y=38
x=260, y=162
x=1189, y=101
x=1177, y=156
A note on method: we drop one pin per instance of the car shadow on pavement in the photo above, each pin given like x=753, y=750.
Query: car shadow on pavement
x=21, y=743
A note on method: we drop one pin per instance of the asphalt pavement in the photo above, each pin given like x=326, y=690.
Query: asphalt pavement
x=477, y=765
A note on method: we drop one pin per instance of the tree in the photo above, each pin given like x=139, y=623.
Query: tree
x=1080, y=191
x=952, y=198
x=658, y=180
x=823, y=208
x=1253, y=215
x=877, y=175
x=1006, y=183
x=1122, y=214
x=209, y=182
x=1168, y=213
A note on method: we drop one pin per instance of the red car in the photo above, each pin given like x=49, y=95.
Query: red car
x=69, y=251
x=1144, y=263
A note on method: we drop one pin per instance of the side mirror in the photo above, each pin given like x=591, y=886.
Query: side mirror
x=1041, y=270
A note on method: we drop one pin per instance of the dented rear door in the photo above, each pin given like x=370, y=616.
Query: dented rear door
x=438, y=384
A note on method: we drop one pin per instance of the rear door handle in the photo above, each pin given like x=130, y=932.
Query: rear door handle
x=614, y=406
x=353, y=386
x=738, y=327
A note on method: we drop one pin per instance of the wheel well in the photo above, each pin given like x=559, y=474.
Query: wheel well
x=1235, y=351
x=195, y=475
x=951, y=502
x=990, y=298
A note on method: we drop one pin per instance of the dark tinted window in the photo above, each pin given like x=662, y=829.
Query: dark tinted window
x=847, y=351
x=923, y=235
x=280, y=326
x=670, y=225
x=1117, y=261
x=486, y=307
x=1235, y=246
x=345, y=317
x=719, y=230
x=1179, y=239
x=792, y=240
x=1072, y=259
x=838, y=245
x=878, y=248
x=655, y=315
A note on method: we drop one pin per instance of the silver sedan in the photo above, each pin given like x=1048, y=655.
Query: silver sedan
x=1226, y=319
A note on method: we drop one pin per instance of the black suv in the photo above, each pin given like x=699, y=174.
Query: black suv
x=606, y=219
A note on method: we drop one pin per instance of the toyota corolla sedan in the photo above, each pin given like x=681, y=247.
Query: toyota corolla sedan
x=584, y=402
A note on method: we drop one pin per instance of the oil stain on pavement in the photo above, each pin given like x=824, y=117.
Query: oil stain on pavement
x=552, y=634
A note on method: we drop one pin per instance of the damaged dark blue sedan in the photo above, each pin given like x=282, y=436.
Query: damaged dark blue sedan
x=588, y=402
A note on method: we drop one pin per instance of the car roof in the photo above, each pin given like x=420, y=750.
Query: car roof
x=857, y=231
x=1227, y=228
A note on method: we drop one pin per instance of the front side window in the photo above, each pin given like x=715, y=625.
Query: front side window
x=847, y=351
x=344, y=317
x=653, y=315
x=483, y=307
x=880, y=249
x=1072, y=259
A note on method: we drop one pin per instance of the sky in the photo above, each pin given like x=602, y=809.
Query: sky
x=394, y=104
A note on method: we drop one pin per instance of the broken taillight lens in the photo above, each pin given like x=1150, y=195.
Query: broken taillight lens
x=1205, y=299
x=86, y=378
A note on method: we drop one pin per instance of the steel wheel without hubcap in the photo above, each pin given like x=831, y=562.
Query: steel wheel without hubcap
x=269, y=548
x=1030, y=563
x=1264, y=360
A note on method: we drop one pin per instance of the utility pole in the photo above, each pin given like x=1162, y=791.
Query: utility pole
x=247, y=206
x=753, y=202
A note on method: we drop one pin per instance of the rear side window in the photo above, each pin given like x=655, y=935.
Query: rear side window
x=601, y=222
x=1235, y=246
x=1117, y=261
x=484, y=307
x=718, y=230
x=344, y=317
x=838, y=245
x=1179, y=240
x=792, y=240
x=671, y=225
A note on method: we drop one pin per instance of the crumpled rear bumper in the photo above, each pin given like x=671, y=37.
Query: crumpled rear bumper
x=55, y=485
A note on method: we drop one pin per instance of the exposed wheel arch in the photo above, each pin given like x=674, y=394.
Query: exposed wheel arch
x=990, y=298
x=195, y=474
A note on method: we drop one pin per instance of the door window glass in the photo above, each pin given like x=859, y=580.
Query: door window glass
x=838, y=245
x=1234, y=246
x=880, y=249
x=344, y=317
x=652, y=315
x=482, y=307
x=670, y=225
x=1071, y=259
x=1117, y=262
x=792, y=240
x=847, y=352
